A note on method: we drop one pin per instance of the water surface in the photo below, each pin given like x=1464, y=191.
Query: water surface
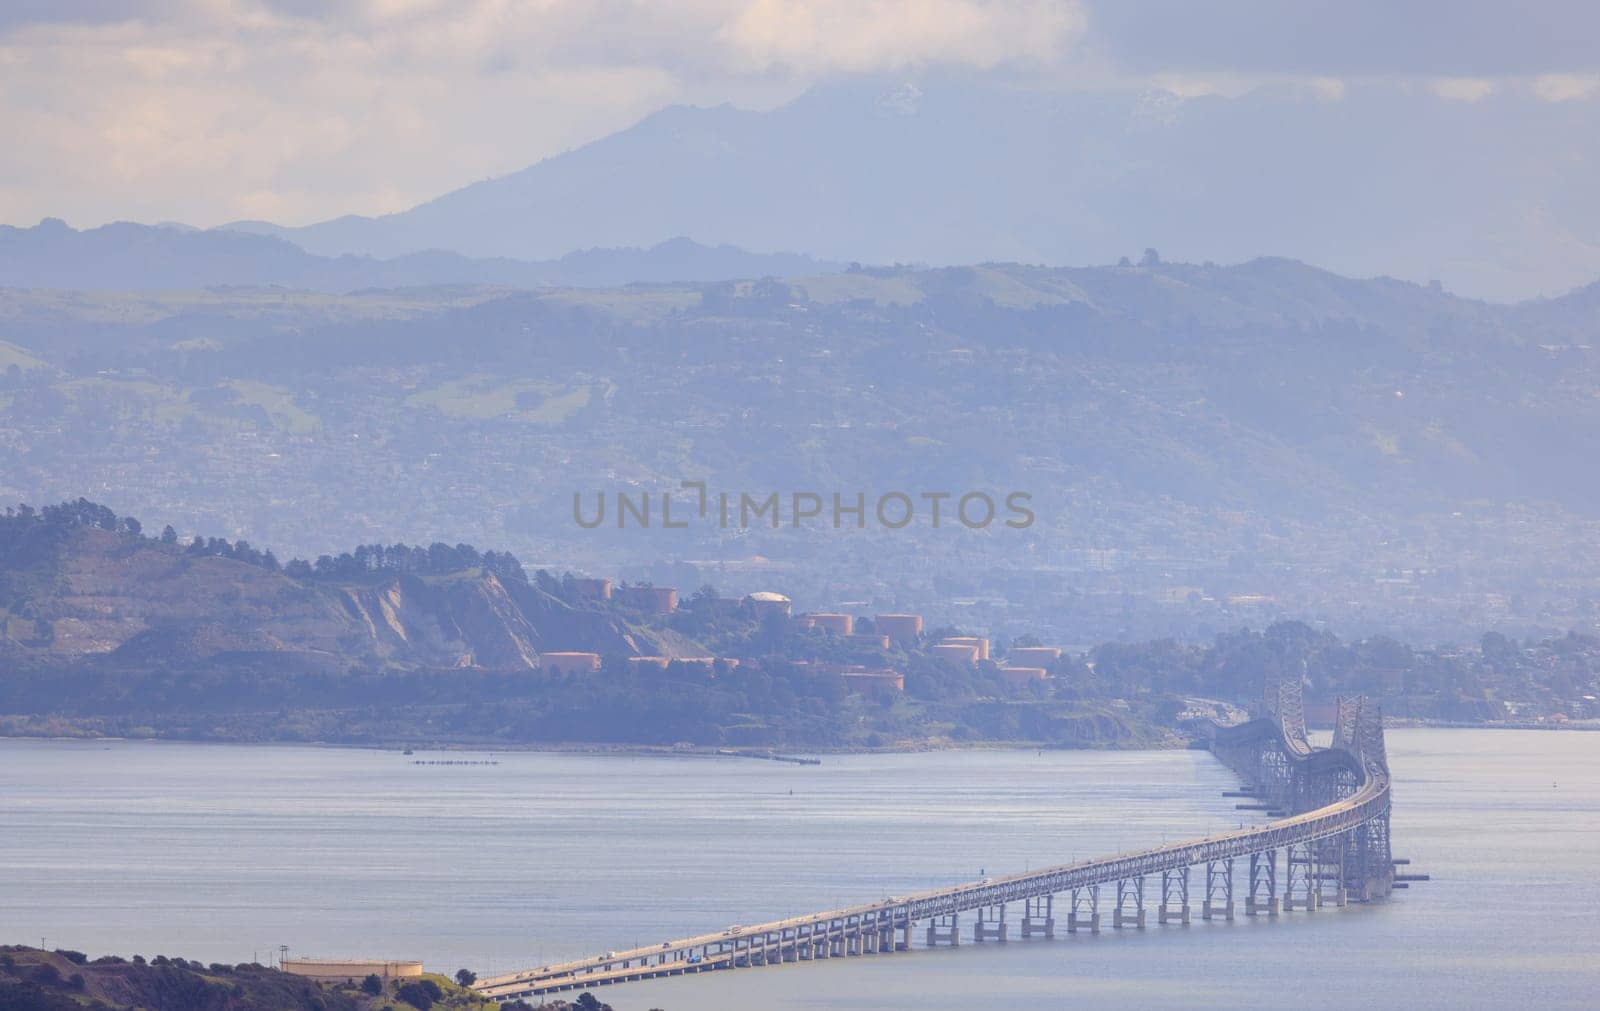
x=224, y=852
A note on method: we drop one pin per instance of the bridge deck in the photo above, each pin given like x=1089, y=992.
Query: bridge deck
x=785, y=939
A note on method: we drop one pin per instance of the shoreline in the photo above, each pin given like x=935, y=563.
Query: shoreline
x=784, y=755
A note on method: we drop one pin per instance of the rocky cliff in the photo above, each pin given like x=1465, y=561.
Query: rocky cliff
x=104, y=596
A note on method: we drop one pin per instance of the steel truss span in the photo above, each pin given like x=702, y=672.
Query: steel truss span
x=1333, y=834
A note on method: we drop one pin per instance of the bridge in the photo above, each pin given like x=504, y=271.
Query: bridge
x=1329, y=811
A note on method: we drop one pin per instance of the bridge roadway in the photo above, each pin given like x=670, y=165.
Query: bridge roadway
x=871, y=927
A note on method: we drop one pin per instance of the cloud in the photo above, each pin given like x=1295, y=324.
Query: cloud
x=208, y=110
x=821, y=36
x=1417, y=38
x=1462, y=89
x=1566, y=87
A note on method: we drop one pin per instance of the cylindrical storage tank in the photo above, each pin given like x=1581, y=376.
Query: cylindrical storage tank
x=972, y=640
x=705, y=664
x=600, y=589
x=1022, y=675
x=838, y=624
x=958, y=653
x=765, y=602
x=1033, y=656
x=650, y=599
x=349, y=970
x=570, y=662
x=903, y=629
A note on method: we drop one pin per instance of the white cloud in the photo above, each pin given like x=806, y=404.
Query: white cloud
x=207, y=110
x=1567, y=87
x=817, y=36
x=1462, y=89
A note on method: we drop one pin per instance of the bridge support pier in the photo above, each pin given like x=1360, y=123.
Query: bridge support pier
x=990, y=923
x=1219, y=890
x=944, y=928
x=1263, y=897
x=904, y=944
x=1300, y=873
x=1130, y=892
x=1332, y=867
x=1085, y=913
x=1174, y=896
x=1038, y=916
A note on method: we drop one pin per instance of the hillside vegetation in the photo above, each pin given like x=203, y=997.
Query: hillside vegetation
x=1205, y=446
x=107, y=631
x=32, y=979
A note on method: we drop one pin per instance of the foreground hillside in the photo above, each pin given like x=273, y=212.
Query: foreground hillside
x=32, y=979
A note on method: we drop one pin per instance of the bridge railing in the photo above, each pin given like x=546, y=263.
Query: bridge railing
x=1358, y=749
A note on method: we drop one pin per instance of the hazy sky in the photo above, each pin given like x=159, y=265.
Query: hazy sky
x=293, y=110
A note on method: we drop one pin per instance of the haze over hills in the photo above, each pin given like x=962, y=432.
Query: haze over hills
x=1205, y=446
x=950, y=169
x=132, y=257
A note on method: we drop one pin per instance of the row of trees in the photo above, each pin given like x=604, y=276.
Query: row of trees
x=29, y=536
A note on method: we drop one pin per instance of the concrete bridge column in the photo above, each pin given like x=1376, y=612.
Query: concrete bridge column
x=1263, y=897
x=1038, y=916
x=904, y=944
x=1085, y=913
x=1130, y=893
x=1174, y=896
x=944, y=928
x=1219, y=890
x=990, y=923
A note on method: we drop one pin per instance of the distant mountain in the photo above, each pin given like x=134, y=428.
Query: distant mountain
x=127, y=256
x=1368, y=181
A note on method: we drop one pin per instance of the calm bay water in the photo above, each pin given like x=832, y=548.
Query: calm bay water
x=222, y=853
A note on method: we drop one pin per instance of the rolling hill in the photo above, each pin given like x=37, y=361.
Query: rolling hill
x=132, y=257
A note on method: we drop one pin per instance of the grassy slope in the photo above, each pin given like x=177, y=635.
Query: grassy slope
x=36, y=980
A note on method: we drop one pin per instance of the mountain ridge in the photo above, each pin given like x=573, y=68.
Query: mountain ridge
x=881, y=170
x=134, y=257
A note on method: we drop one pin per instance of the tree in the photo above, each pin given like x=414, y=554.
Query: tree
x=1151, y=258
x=169, y=535
x=415, y=995
x=466, y=977
x=372, y=984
